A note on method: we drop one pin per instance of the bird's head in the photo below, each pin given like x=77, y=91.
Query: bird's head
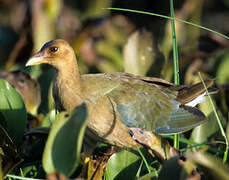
x=57, y=53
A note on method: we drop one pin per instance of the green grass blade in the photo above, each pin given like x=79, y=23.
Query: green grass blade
x=175, y=61
x=167, y=17
x=218, y=121
x=144, y=159
x=175, y=49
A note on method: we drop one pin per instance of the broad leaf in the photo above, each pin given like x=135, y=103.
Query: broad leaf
x=49, y=118
x=13, y=112
x=202, y=133
x=139, y=54
x=222, y=71
x=121, y=165
x=62, y=150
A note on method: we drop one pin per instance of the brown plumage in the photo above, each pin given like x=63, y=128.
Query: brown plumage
x=119, y=101
x=26, y=86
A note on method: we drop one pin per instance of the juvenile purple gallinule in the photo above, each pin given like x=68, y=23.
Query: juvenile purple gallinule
x=118, y=102
x=26, y=86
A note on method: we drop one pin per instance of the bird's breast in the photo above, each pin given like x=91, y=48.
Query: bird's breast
x=66, y=93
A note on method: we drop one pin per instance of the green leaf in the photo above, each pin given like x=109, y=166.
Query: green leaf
x=13, y=112
x=45, y=80
x=139, y=54
x=151, y=176
x=222, y=71
x=202, y=133
x=62, y=151
x=49, y=118
x=122, y=164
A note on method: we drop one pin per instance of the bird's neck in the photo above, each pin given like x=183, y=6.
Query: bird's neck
x=70, y=72
x=68, y=82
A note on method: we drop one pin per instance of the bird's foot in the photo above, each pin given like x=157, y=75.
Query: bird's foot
x=155, y=142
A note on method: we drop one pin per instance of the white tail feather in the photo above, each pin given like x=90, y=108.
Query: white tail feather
x=201, y=98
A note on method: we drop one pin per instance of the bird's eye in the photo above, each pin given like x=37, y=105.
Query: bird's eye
x=53, y=49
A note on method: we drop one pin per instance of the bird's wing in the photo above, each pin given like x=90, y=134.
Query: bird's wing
x=143, y=104
x=143, y=109
x=151, y=109
x=182, y=119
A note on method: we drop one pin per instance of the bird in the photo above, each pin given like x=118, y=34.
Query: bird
x=122, y=108
x=28, y=87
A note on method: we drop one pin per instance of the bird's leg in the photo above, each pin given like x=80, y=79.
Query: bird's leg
x=156, y=143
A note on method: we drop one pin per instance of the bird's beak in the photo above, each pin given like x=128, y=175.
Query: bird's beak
x=38, y=58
